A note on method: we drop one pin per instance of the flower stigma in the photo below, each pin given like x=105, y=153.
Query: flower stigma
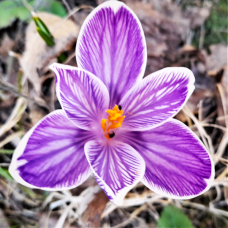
x=114, y=121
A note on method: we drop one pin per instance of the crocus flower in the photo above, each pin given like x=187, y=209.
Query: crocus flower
x=114, y=123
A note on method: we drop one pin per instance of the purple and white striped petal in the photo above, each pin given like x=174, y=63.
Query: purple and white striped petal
x=157, y=98
x=177, y=163
x=111, y=45
x=117, y=168
x=51, y=155
x=83, y=96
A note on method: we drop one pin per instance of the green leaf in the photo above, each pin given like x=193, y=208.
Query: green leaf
x=22, y=13
x=62, y=58
x=40, y=24
x=5, y=174
x=48, y=39
x=173, y=217
x=6, y=12
x=11, y=9
x=58, y=9
x=3, y=151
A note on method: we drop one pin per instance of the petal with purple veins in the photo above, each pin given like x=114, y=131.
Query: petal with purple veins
x=112, y=46
x=117, y=168
x=83, y=96
x=51, y=155
x=177, y=164
x=157, y=98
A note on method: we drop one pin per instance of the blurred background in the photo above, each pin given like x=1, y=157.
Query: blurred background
x=189, y=33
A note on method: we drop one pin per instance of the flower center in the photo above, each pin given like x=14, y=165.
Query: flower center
x=114, y=121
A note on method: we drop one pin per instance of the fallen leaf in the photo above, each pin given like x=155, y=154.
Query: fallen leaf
x=216, y=65
x=217, y=60
x=38, y=55
x=92, y=215
x=197, y=15
x=165, y=28
x=6, y=45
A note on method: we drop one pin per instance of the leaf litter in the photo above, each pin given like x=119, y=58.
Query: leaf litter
x=169, y=29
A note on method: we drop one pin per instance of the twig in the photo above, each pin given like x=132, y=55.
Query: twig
x=69, y=10
x=204, y=208
x=69, y=58
x=220, y=30
x=18, y=195
x=209, y=116
x=28, y=6
x=223, y=182
x=14, y=54
x=70, y=14
x=10, y=88
x=132, y=216
x=77, y=9
x=223, y=98
x=221, y=149
x=133, y=199
x=63, y=216
x=214, y=125
x=200, y=110
x=202, y=34
x=222, y=118
x=189, y=37
x=223, y=160
x=15, y=116
x=79, y=202
x=4, y=164
x=201, y=130
x=11, y=137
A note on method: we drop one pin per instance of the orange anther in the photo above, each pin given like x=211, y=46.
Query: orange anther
x=114, y=121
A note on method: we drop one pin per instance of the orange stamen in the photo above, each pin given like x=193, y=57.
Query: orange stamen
x=114, y=121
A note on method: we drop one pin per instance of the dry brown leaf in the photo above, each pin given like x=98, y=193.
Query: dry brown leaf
x=6, y=45
x=216, y=63
x=92, y=216
x=204, y=87
x=161, y=13
x=217, y=60
x=197, y=15
x=165, y=28
x=36, y=113
x=38, y=55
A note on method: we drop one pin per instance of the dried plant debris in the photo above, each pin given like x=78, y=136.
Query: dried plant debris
x=6, y=45
x=168, y=27
x=216, y=60
x=198, y=15
x=165, y=29
x=216, y=67
x=38, y=56
x=92, y=215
